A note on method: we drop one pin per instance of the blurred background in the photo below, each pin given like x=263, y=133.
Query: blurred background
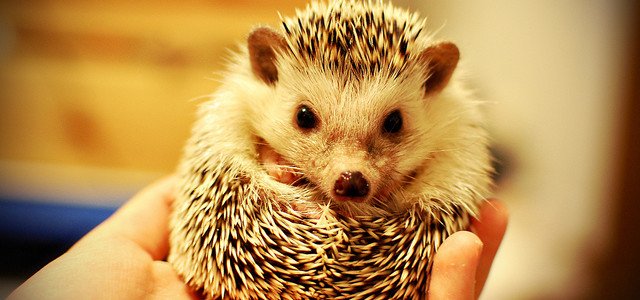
x=97, y=99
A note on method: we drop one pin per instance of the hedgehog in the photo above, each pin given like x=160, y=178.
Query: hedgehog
x=339, y=152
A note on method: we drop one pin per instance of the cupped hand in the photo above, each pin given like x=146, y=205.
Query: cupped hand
x=123, y=258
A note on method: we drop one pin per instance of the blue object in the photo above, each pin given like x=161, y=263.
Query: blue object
x=45, y=222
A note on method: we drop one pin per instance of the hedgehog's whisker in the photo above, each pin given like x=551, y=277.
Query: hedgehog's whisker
x=199, y=98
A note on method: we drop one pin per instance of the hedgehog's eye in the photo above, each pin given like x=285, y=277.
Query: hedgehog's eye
x=393, y=122
x=305, y=118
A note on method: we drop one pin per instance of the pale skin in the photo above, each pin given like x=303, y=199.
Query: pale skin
x=123, y=258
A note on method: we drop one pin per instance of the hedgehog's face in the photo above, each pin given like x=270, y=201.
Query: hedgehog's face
x=358, y=142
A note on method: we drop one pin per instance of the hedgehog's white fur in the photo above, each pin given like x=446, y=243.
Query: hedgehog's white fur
x=437, y=173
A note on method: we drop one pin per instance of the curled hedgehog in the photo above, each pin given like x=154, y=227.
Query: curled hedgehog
x=338, y=154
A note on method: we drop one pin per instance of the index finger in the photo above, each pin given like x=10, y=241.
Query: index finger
x=144, y=219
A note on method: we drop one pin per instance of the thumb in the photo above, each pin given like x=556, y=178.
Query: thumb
x=454, y=268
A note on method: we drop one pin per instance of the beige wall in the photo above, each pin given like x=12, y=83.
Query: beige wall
x=553, y=74
x=89, y=88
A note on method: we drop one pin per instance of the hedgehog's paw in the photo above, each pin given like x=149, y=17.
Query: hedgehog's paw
x=276, y=166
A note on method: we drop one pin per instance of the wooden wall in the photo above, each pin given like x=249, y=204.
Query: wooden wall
x=113, y=84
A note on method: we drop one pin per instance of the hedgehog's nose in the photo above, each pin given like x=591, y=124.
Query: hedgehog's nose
x=351, y=184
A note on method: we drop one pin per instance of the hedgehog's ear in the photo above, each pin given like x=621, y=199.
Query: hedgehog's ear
x=439, y=60
x=263, y=43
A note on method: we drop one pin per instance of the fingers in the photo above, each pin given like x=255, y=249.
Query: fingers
x=168, y=284
x=144, y=219
x=454, y=267
x=490, y=228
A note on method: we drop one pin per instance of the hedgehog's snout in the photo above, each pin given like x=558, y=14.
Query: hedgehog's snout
x=352, y=186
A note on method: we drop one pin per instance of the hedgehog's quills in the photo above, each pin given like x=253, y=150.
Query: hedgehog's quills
x=345, y=88
x=235, y=244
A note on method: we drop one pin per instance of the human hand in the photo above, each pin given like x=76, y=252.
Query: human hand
x=119, y=259
x=463, y=261
x=122, y=257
